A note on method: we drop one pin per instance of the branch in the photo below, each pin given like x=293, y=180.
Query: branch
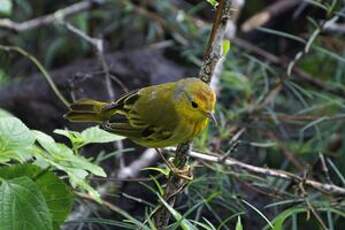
x=132, y=170
x=328, y=188
x=214, y=52
x=212, y=58
x=50, y=18
x=335, y=27
x=41, y=69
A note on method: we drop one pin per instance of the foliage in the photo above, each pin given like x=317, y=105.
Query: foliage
x=23, y=201
x=31, y=193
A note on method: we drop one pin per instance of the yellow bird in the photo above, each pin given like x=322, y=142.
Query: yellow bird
x=156, y=116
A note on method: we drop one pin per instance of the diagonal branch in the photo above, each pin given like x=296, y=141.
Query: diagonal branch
x=212, y=58
x=214, y=51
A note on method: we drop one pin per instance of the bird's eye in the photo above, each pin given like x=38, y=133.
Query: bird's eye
x=194, y=104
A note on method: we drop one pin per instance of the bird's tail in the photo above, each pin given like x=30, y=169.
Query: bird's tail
x=87, y=110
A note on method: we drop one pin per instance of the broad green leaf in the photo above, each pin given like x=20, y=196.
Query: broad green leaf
x=6, y=7
x=61, y=157
x=64, y=156
x=23, y=206
x=75, y=137
x=57, y=194
x=98, y=135
x=14, y=134
x=15, y=140
x=90, y=135
x=4, y=113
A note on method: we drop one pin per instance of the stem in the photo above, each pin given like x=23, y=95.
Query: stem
x=41, y=68
x=212, y=58
x=174, y=185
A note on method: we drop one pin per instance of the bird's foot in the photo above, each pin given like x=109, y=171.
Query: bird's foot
x=185, y=173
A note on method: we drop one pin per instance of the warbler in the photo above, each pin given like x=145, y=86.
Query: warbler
x=155, y=116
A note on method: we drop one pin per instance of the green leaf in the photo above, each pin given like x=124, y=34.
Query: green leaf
x=23, y=206
x=239, y=224
x=4, y=113
x=184, y=223
x=57, y=194
x=279, y=220
x=213, y=3
x=75, y=137
x=61, y=157
x=15, y=140
x=164, y=171
x=226, y=47
x=6, y=7
x=98, y=135
x=90, y=135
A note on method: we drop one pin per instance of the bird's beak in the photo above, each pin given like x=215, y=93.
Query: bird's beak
x=211, y=116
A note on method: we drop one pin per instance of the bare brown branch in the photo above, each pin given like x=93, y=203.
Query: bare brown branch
x=214, y=51
x=212, y=58
x=50, y=18
x=323, y=187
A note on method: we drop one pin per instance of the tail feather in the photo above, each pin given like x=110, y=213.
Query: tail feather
x=87, y=110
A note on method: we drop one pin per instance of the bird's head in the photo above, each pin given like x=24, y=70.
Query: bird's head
x=196, y=100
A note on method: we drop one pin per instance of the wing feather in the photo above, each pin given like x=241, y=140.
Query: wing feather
x=127, y=120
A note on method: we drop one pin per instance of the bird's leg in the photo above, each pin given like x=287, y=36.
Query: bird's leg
x=184, y=173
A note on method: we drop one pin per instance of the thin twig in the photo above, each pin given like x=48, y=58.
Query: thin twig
x=320, y=28
x=41, y=69
x=50, y=18
x=301, y=74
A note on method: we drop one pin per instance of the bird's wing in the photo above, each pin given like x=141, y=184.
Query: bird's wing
x=129, y=120
x=123, y=102
x=119, y=120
